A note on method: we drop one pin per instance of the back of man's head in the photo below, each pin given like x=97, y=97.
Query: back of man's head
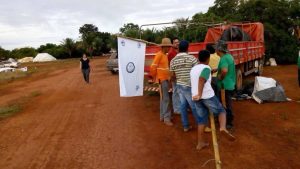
x=203, y=56
x=210, y=48
x=183, y=46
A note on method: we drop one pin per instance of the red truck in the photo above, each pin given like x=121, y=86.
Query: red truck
x=248, y=54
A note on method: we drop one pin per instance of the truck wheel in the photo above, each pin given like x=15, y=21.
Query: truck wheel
x=239, y=79
x=260, y=68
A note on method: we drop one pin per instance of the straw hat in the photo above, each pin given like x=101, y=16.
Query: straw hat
x=166, y=42
x=222, y=46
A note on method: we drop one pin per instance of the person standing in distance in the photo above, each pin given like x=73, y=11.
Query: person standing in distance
x=175, y=95
x=85, y=68
x=213, y=64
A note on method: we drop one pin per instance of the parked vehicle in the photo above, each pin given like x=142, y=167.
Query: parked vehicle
x=112, y=63
x=248, y=54
x=10, y=64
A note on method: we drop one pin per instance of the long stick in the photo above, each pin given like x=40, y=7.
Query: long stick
x=139, y=40
x=215, y=142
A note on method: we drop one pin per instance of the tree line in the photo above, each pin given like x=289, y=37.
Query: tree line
x=92, y=42
x=281, y=19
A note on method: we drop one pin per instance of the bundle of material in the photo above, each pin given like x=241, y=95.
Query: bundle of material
x=268, y=90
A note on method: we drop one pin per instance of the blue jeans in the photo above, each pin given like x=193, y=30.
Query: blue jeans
x=185, y=95
x=203, y=107
x=165, y=112
x=175, y=98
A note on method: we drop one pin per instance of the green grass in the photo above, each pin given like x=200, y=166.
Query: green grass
x=16, y=106
x=35, y=94
x=33, y=68
x=9, y=110
x=10, y=76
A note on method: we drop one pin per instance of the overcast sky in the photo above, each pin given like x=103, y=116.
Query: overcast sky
x=37, y=22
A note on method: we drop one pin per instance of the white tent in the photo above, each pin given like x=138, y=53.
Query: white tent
x=43, y=57
x=11, y=60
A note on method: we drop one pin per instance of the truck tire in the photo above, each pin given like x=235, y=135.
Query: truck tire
x=239, y=79
x=260, y=68
x=113, y=72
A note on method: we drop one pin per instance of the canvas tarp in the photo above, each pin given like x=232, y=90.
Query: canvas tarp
x=254, y=30
x=267, y=90
x=43, y=57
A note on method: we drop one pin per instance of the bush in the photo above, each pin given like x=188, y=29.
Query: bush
x=23, y=52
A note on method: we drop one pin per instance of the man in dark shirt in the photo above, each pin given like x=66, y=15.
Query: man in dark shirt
x=85, y=68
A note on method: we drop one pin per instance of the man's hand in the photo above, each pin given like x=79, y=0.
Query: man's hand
x=214, y=70
x=219, y=77
x=196, y=98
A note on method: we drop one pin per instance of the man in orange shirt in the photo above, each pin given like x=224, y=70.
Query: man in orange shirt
x=160, y=73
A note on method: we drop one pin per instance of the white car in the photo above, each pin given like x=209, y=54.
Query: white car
x=112, y=63
x=10, y=64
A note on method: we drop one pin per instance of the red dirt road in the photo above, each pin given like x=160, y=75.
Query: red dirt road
x=73, y=125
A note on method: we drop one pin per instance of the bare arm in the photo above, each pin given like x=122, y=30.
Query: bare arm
x=173, y=77
x=223, y=73
x=80, y=65
x=200, y=88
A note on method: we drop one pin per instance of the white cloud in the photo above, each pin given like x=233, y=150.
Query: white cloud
x=36, y=22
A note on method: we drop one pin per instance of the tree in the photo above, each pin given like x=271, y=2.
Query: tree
x=69, y=45
x=57, y=51
x=88, y=34
x=43, y=48
x=278, y=17
x=107, y=42
x=23, y=52
x=87, y=29
x=149, y=34
x=225, y=8
x=94, y=41
x=97, y=44
x=130, y=30
x=4, y=54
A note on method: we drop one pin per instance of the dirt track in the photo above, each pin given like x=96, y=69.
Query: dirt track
x=75, y=125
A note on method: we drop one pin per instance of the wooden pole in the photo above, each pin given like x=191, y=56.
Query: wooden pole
x=139, y=40
x=215, y=142
x=223, y=98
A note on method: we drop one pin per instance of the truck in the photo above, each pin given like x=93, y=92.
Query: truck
x=245, y=42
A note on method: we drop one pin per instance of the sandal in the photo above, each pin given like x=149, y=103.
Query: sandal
x=225, y=133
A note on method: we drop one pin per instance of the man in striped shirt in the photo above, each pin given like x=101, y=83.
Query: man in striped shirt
x=180, y=67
